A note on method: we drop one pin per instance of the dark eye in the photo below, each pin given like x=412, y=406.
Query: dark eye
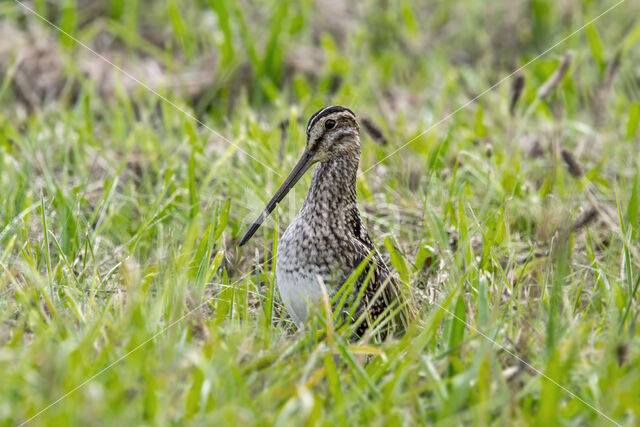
x=329, y=124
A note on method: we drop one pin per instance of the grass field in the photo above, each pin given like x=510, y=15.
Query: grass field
x=124, y=299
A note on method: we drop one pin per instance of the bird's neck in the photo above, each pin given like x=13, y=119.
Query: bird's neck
x=333, y=185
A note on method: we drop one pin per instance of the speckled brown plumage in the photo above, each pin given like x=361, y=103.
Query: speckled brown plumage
x=327, y=238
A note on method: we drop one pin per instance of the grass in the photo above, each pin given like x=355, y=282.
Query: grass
x=119, y=214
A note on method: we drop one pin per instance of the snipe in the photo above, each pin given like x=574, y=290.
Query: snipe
x=327, y=238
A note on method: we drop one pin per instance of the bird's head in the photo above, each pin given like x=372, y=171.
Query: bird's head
x=331, y=132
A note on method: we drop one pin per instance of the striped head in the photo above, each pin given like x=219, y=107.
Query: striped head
x=333, y=131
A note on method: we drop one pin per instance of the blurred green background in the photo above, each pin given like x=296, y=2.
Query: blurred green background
x=134, y=154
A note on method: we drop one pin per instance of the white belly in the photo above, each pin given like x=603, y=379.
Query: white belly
x=297, y=275
x=300, y=292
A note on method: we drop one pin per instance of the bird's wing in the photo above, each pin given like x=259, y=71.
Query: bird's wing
x=381, y=276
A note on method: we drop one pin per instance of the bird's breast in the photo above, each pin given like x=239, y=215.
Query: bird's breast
x=306, y=252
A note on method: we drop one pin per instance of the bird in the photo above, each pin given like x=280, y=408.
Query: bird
x=327, y=240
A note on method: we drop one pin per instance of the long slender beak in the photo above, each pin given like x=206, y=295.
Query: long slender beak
x=298, y=170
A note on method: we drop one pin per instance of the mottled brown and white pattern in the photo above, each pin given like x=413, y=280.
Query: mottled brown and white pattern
x=327, y=237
